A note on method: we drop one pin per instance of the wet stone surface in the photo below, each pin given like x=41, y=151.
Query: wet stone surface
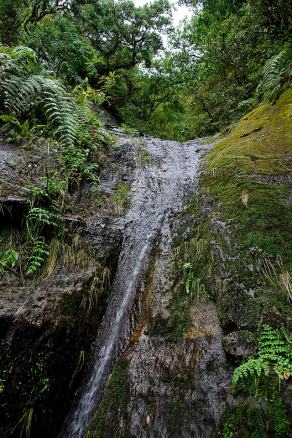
x=157, y=194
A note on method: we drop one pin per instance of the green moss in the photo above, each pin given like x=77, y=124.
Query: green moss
x=259, y=214
x=259, y=251
x=260, y=143
x=113, y=407
x=248, y=419
x=264, y=220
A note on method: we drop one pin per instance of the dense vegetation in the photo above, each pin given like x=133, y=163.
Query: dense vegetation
x=59, y=61
x=217, y=65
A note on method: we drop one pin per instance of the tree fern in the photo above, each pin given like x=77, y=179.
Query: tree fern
x=276, y=72
x=23, y=88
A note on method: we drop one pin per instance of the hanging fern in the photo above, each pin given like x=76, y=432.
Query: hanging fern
x=254, y=368
x=41, y=216
x=276, y=72
x=273, y=349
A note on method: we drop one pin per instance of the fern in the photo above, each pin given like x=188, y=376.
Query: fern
x=41, y=216
x=38, y=255
x=276, y=72
x=275, y=350
x=252, y=368
x=62, y=113
x=9, y=259
x=24, y=88
x=274, y=355
x=36, y=219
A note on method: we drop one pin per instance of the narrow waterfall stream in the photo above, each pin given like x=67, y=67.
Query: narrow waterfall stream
x=157, y=192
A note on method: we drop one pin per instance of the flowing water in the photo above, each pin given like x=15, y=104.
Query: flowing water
x=157, y=192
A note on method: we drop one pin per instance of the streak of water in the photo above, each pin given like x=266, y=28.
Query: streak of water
x=157, y=192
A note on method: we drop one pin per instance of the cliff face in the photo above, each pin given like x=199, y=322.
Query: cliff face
x=228, y=278
x=49, y=319
x=217, y=273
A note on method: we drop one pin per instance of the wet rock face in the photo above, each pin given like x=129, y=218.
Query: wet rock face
x=177, y=389
x=237, y=344
x=163, y=173
x=172, y=388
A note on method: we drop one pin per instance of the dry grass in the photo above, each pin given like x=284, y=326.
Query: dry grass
x=275, y=275
x=99, y=284
x=25, y=423
x=245, y=198
x=54, y=250
x=286, y=282
x=74, y=255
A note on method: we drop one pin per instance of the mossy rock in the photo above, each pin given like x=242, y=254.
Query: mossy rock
x=261, y=142
x=247, y=184
x=110, y=418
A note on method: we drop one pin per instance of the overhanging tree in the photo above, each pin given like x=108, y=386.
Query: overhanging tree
x=124, y=35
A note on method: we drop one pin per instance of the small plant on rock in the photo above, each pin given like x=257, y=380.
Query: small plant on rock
x=274, y=357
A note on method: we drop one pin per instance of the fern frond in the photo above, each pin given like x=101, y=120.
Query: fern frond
x=252, y=368
x=274, y=355
x=38, y=255
x=24, y=87
x=276, y=72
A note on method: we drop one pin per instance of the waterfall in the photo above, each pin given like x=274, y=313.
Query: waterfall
x=157, y=193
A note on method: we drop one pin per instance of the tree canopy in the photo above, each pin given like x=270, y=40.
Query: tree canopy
x=211, y=72
x=209, y=77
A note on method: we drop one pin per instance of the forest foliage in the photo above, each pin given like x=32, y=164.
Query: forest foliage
x=220, y=63
x=214, y=67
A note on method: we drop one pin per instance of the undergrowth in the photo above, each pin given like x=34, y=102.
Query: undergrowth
x=61, y=126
